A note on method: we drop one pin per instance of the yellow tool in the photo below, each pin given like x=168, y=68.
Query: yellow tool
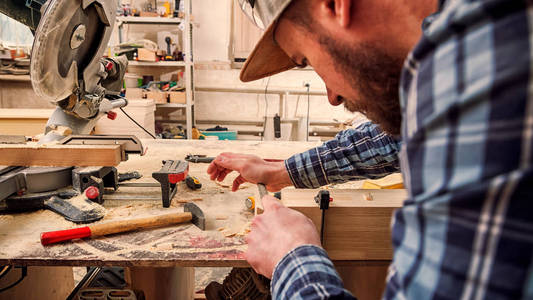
x=250, y=203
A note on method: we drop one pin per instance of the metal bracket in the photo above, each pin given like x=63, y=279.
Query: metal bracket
x=132, y=144
x=99, y=177
x=172, y=172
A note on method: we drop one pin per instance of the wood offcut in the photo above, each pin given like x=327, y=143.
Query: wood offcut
x=61, y=155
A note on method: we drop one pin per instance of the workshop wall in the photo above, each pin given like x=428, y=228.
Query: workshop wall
x=211, y=50
x=211, y=41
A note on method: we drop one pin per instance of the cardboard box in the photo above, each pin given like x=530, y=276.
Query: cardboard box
x=148, y=14
x=146, y=55
x=158, y=97
x=134, y=93
x=177, y=97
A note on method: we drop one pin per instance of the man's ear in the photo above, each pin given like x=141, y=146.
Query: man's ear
x=339, y=10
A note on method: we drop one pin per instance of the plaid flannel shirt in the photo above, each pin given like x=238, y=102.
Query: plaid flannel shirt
x=466, y=229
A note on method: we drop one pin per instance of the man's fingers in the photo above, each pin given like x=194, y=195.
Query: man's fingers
x=222, y=174
x=212, y=168
x=229, y=162
x=270, y=203
x=237, y=182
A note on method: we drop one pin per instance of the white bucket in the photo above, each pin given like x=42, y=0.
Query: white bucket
x=131, y=80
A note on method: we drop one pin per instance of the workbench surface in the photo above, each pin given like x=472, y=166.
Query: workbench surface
x=180, y=245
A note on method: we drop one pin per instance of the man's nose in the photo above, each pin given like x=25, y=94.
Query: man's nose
x=334, y=99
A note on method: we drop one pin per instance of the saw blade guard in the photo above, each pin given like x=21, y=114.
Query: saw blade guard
x=68, y=45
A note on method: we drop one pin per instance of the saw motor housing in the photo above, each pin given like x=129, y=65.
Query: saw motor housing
x=67, y=67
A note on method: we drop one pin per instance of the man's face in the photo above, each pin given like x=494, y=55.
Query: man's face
x=361, y=75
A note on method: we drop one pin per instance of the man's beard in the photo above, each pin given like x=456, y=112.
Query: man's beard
x=376, y=76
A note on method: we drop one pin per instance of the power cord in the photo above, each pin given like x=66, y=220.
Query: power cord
x=307, y=85
x=140, y=126
x=24, y=272
x=266, y=109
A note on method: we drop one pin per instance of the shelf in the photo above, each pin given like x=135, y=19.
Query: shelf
x=156, y=64
x=173, y=105
x=9, y=77
x=148, y=20
x=260, y=90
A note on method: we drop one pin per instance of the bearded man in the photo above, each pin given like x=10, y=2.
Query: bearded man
x=448, y=86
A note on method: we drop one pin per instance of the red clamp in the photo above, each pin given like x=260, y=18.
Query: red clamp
x=111, y=115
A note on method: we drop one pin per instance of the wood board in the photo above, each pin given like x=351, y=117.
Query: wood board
x=355, y=228
x=61, y=155
x=23, y=121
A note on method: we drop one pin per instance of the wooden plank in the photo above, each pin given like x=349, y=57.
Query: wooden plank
x=27, y=122
x=17, y=113
x=60, y=155
x=355, y=228
x=12, y=139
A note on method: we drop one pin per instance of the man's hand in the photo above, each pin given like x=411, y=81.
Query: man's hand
x=252, y=169
x=276, y=232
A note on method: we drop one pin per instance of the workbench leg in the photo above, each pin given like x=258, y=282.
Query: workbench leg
x=162, y=283
x=40, y=283
x=364, y=281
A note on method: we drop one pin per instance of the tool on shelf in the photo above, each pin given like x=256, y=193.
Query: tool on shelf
x=323, y=199
x=191, y=213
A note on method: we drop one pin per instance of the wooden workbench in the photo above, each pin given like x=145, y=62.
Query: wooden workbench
x=183, y=245
x=178, y=246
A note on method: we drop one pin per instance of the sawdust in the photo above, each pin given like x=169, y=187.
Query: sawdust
x=82, y=203
x=20, y=235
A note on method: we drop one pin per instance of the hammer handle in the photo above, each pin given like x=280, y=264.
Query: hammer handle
x=148, y=222
x=114, y=227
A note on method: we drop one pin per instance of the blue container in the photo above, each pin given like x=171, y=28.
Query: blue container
x=222, y=135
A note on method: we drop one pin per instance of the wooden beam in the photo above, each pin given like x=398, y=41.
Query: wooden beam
x=61, y=155
x=27, y=122
x=355, y=228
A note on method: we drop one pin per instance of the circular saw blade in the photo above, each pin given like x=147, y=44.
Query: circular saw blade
x=67, y=39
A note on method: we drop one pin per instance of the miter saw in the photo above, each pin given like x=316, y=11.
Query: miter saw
x=68, y=70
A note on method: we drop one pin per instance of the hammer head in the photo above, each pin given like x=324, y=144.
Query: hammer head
x=198, y=217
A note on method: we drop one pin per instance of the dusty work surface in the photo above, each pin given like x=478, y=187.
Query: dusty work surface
x=222, y=244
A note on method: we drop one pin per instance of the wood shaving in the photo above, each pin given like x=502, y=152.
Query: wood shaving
x=221, y=217
x=229, y=233
x=165, y=246
x=222, y=185
x=221, y=228
x=197, y=199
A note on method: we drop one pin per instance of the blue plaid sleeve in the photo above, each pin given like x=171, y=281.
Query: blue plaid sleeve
x=354, y=154
x=307, y=273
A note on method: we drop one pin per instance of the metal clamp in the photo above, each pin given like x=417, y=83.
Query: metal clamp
x=172, y=172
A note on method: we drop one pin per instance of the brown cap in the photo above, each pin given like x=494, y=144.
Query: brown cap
x=267, y=58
